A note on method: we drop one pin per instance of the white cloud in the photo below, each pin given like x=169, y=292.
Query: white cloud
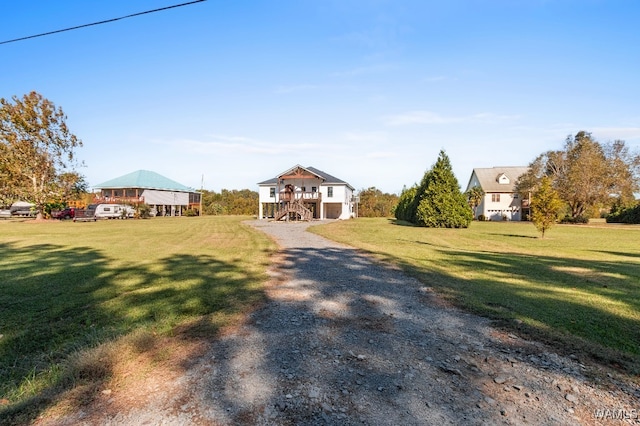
x=381, y=154
x=417, y=117
x=429, y=117
x=372, y=69
x=613, y=133
x=225, y=144
x=296, y=88
x=436, y=79
x=365, y=137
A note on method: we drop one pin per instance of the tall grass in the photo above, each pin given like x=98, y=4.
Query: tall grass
x=578, y=288
x=67, y=289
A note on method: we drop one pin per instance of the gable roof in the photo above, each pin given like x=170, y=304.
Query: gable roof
x=144, y=179
x=489, y=178
x=325, y=177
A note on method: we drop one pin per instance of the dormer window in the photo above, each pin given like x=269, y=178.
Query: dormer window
x=503, y=179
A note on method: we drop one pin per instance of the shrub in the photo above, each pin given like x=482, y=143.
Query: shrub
x=575, y=220
x=190, y=213
x=403, y=209
x=144, y=211
x=625, y=215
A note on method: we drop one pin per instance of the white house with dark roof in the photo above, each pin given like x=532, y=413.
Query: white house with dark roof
x=500, y=201
x=165, y=196
x=305, y=193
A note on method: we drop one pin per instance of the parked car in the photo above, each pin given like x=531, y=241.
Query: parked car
x=5, y=213
x=68, y=213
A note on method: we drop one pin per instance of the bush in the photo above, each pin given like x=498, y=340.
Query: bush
x=482, y=217
x=190, y=213
x=403, y=209
x=144, y=211
x=575, y=220
x=629, y=215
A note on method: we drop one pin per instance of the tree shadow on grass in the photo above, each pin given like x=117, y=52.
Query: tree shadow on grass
x=345, y=340
x=62, y=302
x=514, y=235
x=575, y=305
x=618, y=253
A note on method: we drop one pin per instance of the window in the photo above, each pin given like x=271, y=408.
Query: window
x=330, y=191
x=272, y=192
x=495, y=198
x=503, y=179
x=314, y=189
x=304, y=189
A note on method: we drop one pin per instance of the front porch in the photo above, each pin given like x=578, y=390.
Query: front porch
x=293, y=205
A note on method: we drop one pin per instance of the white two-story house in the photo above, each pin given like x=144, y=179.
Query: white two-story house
x=500, y=201
x=305, y=193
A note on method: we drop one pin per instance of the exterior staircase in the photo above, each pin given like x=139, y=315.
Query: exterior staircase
x=294, y=207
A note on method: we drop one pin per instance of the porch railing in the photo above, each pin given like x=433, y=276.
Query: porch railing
x=118, y=200
x=293, y=196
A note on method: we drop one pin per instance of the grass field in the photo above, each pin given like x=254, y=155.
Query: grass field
x=75, y=297
x=578, y=288
x=67, y=288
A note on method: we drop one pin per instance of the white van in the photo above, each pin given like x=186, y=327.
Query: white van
x=114, y=211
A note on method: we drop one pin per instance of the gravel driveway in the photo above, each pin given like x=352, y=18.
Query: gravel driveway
x=345, y=340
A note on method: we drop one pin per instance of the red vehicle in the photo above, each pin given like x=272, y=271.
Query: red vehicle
x=68, y=213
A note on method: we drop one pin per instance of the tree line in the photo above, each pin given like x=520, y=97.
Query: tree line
x=230, y=202
x=38, y=164
x=587, y=176
x=375, y=203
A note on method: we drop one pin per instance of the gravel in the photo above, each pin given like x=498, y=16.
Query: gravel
x=345, y=340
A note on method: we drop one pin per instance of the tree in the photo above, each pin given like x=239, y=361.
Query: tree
x=230, y=202
x=437, y=202
x=545, y=206
x=37, y=150
x=375, y=203
x=403, y=209
x=625, y=166
x=474, y=196
x=443, y=205
x=586, y=173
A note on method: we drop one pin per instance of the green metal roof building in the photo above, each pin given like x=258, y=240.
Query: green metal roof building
x=166, y=196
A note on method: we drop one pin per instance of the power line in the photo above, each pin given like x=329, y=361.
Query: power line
x=101, y=22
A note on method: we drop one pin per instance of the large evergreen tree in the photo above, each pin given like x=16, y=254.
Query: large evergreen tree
x=437, y=202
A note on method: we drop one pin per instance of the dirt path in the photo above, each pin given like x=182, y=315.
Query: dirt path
x=345, y=340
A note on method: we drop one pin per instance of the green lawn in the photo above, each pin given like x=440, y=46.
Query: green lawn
x=578, y=288
x=68, y=287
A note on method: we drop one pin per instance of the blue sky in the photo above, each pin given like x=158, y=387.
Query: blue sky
x=368, y=91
